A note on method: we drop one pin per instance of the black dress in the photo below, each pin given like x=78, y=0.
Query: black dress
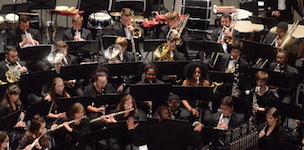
x=27, y=140
x=275, y=140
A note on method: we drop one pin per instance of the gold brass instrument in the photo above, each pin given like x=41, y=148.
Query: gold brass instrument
x=114, y=114
x=230, y=39
x=180, y=27
x=289, y=33
x=13, y=74
x=112, y=52
x=216, y=85
x=137, y=32
x=162, y=53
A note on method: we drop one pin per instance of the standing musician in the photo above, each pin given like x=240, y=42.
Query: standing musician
x=277, y=39
x=219, y=33
x=77, y=32
x=4, y=140
x=36, y=129
x=23, y=36
x=282, y=10
x=71, y=132
x=11, y=63
x=286, y=94
x=173, y=24
x=196, y=75
x=272, y=136
x=56, y=90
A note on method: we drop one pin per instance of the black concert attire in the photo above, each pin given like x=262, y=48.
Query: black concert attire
x=27, y=140
x=291, y=47
x=167, y=134
x=63, y=137
x=287, y=13
x=68, y=35
x=5, y=65
x=179, y=114
x=262, y=101
x=275, y=140
x=234, y=119
x=184, y=37
x=217, y=35
x=287, y=94
x=144, y=82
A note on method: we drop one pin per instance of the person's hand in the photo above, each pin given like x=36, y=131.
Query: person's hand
x=276, y=13
x=67, y=126
x=62, y=115
x=78, y=38
x=101, y=109
x=280, y=42
x=54, y=126
x=194, y=112
x=255, y=107
x=35, y=42
x=222, y=125
x=130, y=123
x=130, y=28
x=120, y=89
x=21, y=124
x=174, y=32
x=227, y=31
x=262, y=133
x=198, y=127
x=23, y=69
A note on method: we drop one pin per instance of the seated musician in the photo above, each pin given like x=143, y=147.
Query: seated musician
x=11, y=63
x=9, y=104
x=124, y=55
x=219, y=33
x=56, y=90
x=150, y=76
x=286, y=94
x=277, y=39
x=228, y=62
x=69, y=133
x=172, y=27
x=196, y=75
x=3, y=140
x=178, y=112
x=272, y=136
x=172, y=53
x=260, y=96
x=227, y=118
x=23, y=36
x=77, y=32
x=36, y=129
x=166, y=134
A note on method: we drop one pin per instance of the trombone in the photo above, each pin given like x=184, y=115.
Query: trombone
x=162, y=53
x=180, y=27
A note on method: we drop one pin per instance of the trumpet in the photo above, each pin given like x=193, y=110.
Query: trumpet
x=30, y=36
x=114, y=114
x=180, y=27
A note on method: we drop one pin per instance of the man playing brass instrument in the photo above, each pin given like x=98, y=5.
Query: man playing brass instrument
x=11, y=61
x=277, y=39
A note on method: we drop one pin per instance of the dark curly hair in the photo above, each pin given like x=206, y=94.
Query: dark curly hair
x=190, y=68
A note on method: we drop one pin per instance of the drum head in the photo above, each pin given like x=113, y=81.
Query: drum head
x=61, y=8
x=100, y=16
x=11, y=17
x=1, y=20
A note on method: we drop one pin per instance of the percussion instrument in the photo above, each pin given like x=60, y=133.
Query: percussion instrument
x=1, y=22
x=61, y=8
x=99, y=20
x=222, y=9
x=138, y=19
x=11, y=20
x=245, y=26
x=298, y=33
x=243, y=14
x=115, y=14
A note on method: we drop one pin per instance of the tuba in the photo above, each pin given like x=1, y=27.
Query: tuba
x=162, y=53
x=112, y=52
x=180, y=27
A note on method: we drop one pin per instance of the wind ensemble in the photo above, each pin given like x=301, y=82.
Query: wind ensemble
x=228, y=68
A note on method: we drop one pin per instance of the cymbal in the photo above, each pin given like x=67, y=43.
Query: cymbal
x=115, y=14
x=138, y=18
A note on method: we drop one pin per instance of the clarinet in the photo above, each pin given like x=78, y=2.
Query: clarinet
x=255, y=101
x=235, y=92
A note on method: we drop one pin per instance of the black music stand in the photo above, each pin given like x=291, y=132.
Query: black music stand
x=193, y=93
x=151, y=44
x=65, y=103
x=90, y=46
x=209, y=134
x=42, y=108
x=125, y=68
x=136, y=5
x=110, y=98
x=218, y=76
x=77, y=71
x=37, y=52
x=150, y=92
x=275, y=78
x=108, y=40
x=268, y=22
x=9, y=121
x=170, y=67
x=37, y=79
x=288, y=110
x=243, y=106
x=209, y=47
x=196, y=45
x=25, y=7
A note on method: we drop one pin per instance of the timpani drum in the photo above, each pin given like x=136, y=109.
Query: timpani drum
x=61, y=8
x=2, y=22
x=243, y=14
x=99, y=20
x=298, y=33
x=245, y=26
x=11, y=20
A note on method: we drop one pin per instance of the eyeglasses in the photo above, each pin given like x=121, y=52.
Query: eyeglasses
x=128, y=105
x=59, y=86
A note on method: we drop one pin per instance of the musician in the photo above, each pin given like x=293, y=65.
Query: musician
x=19, y=38
x=227, y=118
x=282, y=10
x=196, y=75
x=77, y=32
x=261, y=95
x=173, y=22
x=219, y=33
x=277, y=39
x=173, y=53
x=124, y=55
x=11, y=61
x=69, y=59
x=150, y=76
x=3, y=140
x=36, y=129
x=272, y=136
x=177, y=111
x=73, y=131
x=166, y=134
x=286, y=94
x=229, y=61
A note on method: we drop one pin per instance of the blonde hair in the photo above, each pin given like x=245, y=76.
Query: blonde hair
x=122, y=41
x=62, y=44
x=172, y=15
x=77, y=18
x=127, y=12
